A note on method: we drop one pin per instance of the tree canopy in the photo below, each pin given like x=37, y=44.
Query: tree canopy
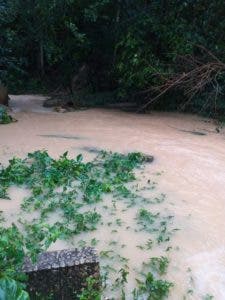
x=129, y=46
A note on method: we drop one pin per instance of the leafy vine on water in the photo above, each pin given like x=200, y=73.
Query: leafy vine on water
x=72, y=189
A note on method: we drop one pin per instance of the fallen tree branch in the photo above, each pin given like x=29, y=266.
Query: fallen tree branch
x=197, y=75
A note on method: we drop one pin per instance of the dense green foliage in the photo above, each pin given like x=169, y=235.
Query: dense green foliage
x=5, y=118
x=91, y=291
x=152, y=288
x=12, y=255
x=88, y=181
x=128, y=46
x=12, y=251
x=11, y=290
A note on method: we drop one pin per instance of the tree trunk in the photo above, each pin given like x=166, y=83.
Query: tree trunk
x=42, y=67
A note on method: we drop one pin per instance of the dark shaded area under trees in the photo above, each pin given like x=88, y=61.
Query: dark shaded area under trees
x=161, y=54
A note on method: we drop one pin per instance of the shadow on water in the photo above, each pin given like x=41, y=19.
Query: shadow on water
x=61, y=136
x=193, y=132
x=91, y=149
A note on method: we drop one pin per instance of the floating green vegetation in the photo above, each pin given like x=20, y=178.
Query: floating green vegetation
x=92, y=290
x=12, y=252
x=156, y=224
x=11, y=259
x=43, y=174
x=207, y=297
x=5, y=118
x=152, y=288
x=158, y=264
x=68, y=197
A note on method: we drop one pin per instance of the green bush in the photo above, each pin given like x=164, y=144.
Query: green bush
x=144, y=45
x=4, y=117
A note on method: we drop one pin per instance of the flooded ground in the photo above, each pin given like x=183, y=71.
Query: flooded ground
x=192, y=168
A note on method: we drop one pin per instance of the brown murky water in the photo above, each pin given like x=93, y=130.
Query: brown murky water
x=193, y=179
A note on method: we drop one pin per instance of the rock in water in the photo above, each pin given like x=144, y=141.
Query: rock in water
x=148, y=158
x=51, y=102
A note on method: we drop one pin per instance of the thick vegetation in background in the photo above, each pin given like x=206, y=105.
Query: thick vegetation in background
x=169, y=51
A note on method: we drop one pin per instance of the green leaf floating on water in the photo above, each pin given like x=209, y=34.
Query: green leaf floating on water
x=73, y=188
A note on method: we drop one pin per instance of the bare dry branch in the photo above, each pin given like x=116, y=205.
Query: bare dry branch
x=197, y=75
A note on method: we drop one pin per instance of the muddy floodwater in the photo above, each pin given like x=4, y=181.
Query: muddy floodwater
x=189, y=168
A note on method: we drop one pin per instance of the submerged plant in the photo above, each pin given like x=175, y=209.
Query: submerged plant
x=158, y=264
x=92, y=291
x=147, y=220
x=208, y=297
x=155, y=223
x=152, y=289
